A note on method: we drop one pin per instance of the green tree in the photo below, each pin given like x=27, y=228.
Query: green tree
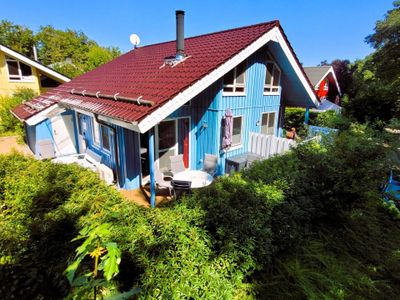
x=17, y=37
x=375, y=92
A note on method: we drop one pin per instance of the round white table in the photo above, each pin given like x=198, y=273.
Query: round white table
x=199, y=179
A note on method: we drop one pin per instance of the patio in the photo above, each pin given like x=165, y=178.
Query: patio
x=141, y=196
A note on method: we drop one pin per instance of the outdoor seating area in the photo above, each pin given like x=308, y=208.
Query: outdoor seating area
x=179, y=180
x=260, y=147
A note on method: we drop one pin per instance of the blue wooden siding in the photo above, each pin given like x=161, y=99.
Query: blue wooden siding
x=30, y=132
x=44, y=131
x=207, y=111
x=127, y=147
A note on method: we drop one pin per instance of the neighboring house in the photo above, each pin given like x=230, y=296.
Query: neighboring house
x=19, y=71
x=326, y=86
x=171, y=98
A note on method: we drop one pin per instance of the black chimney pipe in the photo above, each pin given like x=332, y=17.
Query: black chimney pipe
x=180, y=36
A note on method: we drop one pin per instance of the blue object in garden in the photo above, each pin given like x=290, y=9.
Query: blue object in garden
x=391, y=191
x=325, y=131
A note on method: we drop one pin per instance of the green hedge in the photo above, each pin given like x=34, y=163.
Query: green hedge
x=8, y=123
x=294, y=117
x=309, y=224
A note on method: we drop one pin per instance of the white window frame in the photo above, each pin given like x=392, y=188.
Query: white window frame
x=19, y=77
x=236, y=85
x=96, y=129
x=269, y=114
x=275, y=65
x=240, y=144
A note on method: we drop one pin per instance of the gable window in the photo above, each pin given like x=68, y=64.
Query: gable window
x=105, y=137
x=235, y=80
x=237, y=131
x=272, y=78
x=268, y=123
x=18, y=71
x=96, y=133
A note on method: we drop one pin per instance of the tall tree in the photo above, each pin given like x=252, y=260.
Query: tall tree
x=343, y=72
x=376, y=84
x=68, y=51
x=17, y=37
x=386, y=41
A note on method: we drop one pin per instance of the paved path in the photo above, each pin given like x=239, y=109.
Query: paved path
x=8, y=144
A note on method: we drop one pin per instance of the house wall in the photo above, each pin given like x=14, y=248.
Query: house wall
x=8, y=87
x=128, y=152
x=43, y=131
x=206, y=112
x=208, y=109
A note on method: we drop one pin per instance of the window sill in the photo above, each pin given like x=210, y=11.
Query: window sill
x=224, y=94
x=272, y=93
x=23, y=80
x=236, y=147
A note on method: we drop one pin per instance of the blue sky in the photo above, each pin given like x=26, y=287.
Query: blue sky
x=317, y=29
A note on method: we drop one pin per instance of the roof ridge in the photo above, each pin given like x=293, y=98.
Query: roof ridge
x=275, y=22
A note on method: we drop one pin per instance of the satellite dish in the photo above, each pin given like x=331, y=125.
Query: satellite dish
x=135, y=40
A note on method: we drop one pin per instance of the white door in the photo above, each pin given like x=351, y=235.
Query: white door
x=64, y=135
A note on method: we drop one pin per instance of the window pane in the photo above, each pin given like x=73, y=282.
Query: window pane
x=12, y=68
x=264, y=124
x=105, y=138
x=240, y=71
x=268, y=76
x=271, y=123
x=237, y=131
x=228, y=78
x=267, y=123
x=166, y=135
x=164, y=161
x=277, y=75
x=25, y=70
x=96, y=133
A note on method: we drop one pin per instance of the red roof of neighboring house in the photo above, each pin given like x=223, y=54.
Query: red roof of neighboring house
x=139, y=73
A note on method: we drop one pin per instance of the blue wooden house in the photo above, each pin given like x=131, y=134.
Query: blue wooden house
x=171, y=98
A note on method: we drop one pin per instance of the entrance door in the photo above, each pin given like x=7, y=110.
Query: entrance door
x=172, y=139
x=64, y=135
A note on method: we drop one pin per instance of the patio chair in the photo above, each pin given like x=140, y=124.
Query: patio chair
x=46, y=149
x=181, y=187
x=210, y=164
x=160, y=180
x=177, y=164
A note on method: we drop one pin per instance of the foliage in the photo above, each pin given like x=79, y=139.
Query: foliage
x=40, y=204
x=69, y=52
x=294, y=117
x=375, y=93
x=311, y=220
x=344, y=74
x=8, y=123
x=17, y=37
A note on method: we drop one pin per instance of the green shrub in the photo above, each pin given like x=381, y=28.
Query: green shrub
x=308, y=224
x=8, y=123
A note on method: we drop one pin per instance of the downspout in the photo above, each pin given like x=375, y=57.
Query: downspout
x=96, y=117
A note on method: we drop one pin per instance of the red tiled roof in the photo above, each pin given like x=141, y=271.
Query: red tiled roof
x=139, y=73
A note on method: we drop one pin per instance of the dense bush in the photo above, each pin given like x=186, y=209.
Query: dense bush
x=309, y=224
x=294, y=117
x=8, y=123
